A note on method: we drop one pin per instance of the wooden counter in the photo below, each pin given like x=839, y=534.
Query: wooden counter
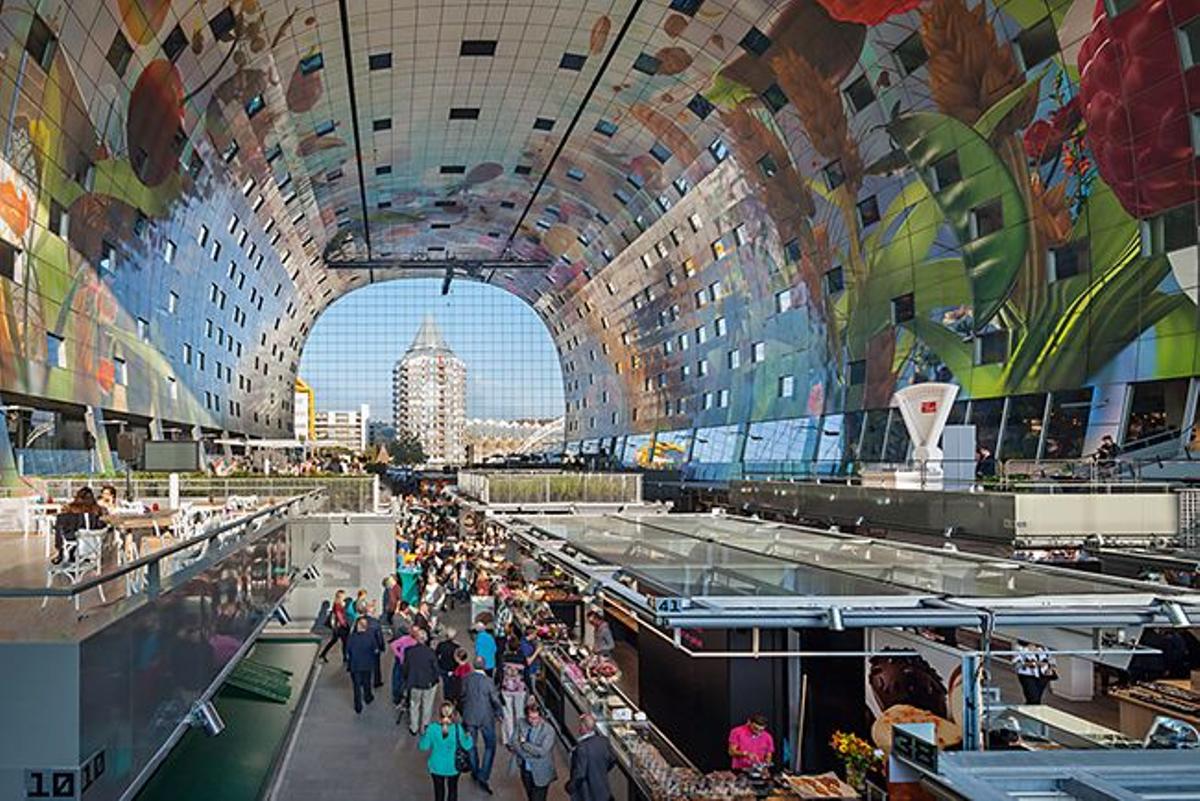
x=1137, y=714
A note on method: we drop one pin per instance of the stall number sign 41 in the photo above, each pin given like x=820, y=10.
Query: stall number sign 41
x=667, y=606
x=54, y=783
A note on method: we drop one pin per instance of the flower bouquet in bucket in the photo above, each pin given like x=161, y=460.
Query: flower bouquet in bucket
x=858, y=755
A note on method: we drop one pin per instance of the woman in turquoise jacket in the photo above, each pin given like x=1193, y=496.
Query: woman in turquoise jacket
x=441, y=739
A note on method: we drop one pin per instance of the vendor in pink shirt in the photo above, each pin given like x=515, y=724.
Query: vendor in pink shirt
x=751, y=744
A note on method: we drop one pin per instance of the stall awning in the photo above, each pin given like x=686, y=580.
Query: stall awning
x=704, y=571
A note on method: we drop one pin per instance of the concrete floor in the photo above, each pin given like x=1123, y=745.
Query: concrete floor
x=338, y=754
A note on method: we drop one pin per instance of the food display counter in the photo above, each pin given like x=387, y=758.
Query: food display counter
x=1142, y=702
x=1046, y=728
x=650, y=766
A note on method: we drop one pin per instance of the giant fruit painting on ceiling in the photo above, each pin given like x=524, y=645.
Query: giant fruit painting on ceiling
x=930, y=172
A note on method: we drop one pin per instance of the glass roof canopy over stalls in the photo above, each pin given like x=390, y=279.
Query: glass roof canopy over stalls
x=711, y=572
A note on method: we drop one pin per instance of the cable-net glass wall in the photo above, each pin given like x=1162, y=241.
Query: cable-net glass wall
x=471, y=374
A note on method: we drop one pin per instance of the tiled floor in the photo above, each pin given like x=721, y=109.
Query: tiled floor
x=367, y=757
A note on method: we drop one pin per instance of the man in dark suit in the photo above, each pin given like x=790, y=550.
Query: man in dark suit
x=362, y=655
x=481, y=706
x=375, y=629
x=590, y=763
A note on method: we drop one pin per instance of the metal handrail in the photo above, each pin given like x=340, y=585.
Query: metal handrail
x=152, y=560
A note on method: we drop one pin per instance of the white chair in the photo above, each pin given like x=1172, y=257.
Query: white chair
x=81, y=556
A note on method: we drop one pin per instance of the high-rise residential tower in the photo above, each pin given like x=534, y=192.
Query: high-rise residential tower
x=429, y=396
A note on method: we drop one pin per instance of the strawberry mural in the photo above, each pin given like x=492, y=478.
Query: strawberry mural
x=1135, y=100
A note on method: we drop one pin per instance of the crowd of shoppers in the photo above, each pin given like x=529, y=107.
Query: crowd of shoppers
x=480, y=683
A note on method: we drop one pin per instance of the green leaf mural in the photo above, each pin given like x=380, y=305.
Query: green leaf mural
x=994, y=259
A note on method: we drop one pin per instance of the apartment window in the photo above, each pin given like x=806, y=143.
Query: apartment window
x=667, y=347
x=187, y=353
x=946, y=172
x=786, y=386
x=768, y=166
x=715, y=291
x=783, y=301
x=719, y=150
x=695, y=221
x=120, y=372
x=1069, y=260
x=701, y=335
x=911, y=53
x=859, y=93
x=903, y=308
x=59, y=219
x=835, y=176
x=1037, y=43
x=1169, y=231
x=8, y=262
x=739, y=234
x=41, y=44
x=169, y=252
x=868, y=211
x=718, y=249
x=379, y=61
x=706, y=401
x=701, y=299
x=215, y=251
x=755, y=41
x=108, y=257
x=1189, y=43
x=758, y=352
x=987, y=219
x=835, y=281
x=719, y=326
x=143, y=330
x=775, y=98
x=733, y=359
x=723, y=399
x=172, y=388
x=689, y=268
x=683, y=341
x=172, y=302
x=208, y=328
x=56, y=350
x=702, y=368
x=991, y=347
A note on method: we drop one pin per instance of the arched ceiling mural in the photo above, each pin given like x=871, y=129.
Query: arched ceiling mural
x=750, y=210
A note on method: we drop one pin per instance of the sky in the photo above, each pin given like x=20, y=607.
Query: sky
x=512, y=366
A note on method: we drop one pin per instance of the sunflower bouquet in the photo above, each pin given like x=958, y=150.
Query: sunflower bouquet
x=857, y=754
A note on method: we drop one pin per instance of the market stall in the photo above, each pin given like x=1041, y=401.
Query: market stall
x=1142, y=702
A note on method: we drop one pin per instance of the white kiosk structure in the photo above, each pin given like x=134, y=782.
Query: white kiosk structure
x=925, y=409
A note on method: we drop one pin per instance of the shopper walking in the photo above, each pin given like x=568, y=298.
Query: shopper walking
x=338, y=623
x=530, y=651
x=391, y=598
x=442, y=738
x=485, y=648
x=512, y=689
x=375, y=628
x=362, y=653
x=591, y=761
x=1035, y=670
x=481, y=708
x=446, y=649
x=399, y=646
x=534, y=746
x=421, y=681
